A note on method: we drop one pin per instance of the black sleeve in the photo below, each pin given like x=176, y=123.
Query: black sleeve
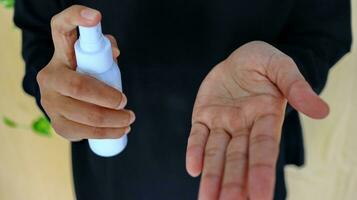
x=316, y=36
x=33, y=18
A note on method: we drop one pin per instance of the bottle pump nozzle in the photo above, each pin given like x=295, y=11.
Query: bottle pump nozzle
x=93, y=50
x=90, y=38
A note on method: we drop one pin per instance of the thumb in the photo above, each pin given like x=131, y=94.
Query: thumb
x=283, y=71
x=64, y=33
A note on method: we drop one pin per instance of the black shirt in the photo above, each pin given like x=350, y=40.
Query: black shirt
x=167, y=49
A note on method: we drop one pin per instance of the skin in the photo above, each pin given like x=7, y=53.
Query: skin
x=236, y=121
x=79, y=106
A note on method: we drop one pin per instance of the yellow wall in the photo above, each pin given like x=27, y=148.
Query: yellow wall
x=331, y=144
x=31, y=167
x=38, y=168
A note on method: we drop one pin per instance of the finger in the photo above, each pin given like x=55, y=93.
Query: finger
x=93, y=115
x=195, y=148
x=213, y=164
x=75, y=131
x=217, y=116
x=304, y=99
x=234, y=183
x=285, y=74
x=64, y=33
x=263, y=153
x=88, y=89
x=115, y=48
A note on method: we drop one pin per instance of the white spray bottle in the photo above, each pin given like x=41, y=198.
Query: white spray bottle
x=94, y=58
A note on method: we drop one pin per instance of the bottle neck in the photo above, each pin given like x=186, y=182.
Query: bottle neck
x=91, y=47
x=91, y=38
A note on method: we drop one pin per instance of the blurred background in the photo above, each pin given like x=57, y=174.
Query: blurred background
x=35, y=162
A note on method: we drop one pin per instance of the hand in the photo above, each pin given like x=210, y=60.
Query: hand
x=237, y=120
x=80, y=106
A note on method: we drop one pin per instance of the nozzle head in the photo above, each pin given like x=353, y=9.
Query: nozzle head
x=90, y=38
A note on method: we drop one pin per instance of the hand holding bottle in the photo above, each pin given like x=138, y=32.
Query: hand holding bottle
x=79, y=106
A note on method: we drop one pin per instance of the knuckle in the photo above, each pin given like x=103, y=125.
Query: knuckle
x=53, y=21
x=233, y=186
x=261, y=165
x=211, y=176
x=278, y=63
x=194, y=147
x=56, y=23
x=58, y=127
x=286, y=60
x=41, y=77
x=266, y=142
x=241, y=136
x=47, y=104
x=212, y=152
x=194, y=134
x=103, y=133
x=97, y=116
x=118, y=133
x=44, y=102
x=63, y=17
x=77, y=86
x=99, y=132
x=55, y=126
x=260, y=139
x=282, y=60
x=236, y=156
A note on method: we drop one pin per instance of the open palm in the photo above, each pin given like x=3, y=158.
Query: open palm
x=237, y=120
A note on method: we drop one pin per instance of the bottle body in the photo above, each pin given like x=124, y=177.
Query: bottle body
x=95, y=59
x=107, y=147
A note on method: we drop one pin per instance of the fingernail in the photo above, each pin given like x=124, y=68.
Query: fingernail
x=132, y=117
x=89, y=14
x=123, y=102
x=128, y=129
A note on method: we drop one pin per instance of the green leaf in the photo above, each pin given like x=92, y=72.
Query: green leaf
x=7, y=3
x=9, y=122
x=42, y=126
